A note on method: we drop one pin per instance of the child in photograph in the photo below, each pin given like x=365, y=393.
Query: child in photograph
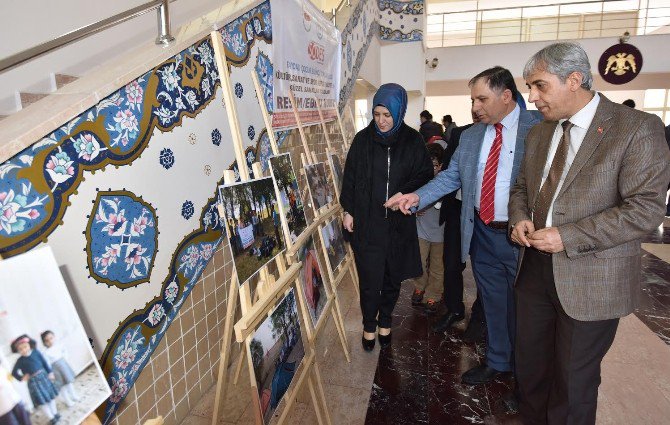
x=431, y=247
x=55, y=354
x=12, y=411
x=32, y=368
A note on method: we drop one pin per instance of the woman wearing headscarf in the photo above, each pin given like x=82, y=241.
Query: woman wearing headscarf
x=387, y=157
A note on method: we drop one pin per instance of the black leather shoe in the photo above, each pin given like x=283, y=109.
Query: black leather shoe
x=475, y=332
x=479, y=375
x=447, y=321
x=384, y=340
x=368, y=344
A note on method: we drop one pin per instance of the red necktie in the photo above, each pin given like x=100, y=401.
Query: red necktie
x=487, y=200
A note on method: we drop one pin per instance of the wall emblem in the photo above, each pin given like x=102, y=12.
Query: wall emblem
x=620, y=63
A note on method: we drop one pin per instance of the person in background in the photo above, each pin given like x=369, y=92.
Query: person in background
x=385, y=158
x=55, y=354
x=449, y=126
x=429, y=285
x=12, y=411
x=590, y=187
x=484, y=166
x=450, y=217
x=32, y=368
x=629, y=102
x=429, y=128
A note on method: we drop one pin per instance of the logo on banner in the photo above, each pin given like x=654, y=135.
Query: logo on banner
x=620, y=63
x=306, y=21
x=316, y=52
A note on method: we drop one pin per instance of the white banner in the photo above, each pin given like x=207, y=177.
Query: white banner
x=307, y=54
x=247, y=236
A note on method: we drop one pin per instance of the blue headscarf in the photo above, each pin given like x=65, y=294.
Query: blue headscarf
x=394, y=98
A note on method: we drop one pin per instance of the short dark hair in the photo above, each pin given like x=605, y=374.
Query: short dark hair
x=448, y=119
x=435, y=151
x=498, y=79
x=45, y=334
x=427, y=115
x=629, y=102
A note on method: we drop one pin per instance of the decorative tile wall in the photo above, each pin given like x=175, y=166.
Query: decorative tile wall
x=125, y=195
x=401, y=20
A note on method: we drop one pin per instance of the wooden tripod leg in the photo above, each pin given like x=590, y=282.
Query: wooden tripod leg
x=315, y=401
x=339, y=324
x=221, y=383
x=322, y=393
x=238, y=368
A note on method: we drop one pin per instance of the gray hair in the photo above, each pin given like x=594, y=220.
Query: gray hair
x=561, y=59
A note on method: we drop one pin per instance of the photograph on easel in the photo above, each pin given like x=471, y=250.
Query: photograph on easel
x=252, y=224
x=311, y=280
x=321, y=191
x=289, y=194
x=334, y=242
x=276, y=352
x=338, y=172
x=48, y=371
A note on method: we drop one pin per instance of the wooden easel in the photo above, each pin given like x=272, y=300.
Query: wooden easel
x=293, y=247
x=268, y=289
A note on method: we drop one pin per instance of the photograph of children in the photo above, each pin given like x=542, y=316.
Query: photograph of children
x=289, y=194
x=253, y=224
x=312, y=280
x=336, y=166
x=317, y=180
x=334, y=241
x=276, y=352
x=48, y=372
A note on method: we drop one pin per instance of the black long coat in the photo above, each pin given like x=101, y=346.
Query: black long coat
x=410, y=168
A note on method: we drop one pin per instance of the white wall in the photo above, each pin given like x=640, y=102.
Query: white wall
x=28, y=23
x=462, y=63
x=404, y=63
x=370, y=69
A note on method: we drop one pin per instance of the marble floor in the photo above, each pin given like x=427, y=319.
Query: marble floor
x=417, y=379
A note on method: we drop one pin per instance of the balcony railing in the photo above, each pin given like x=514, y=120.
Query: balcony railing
x=559, y=21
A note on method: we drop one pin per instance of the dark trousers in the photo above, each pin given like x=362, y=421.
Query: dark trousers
x=557, y=357
x=453, y=264
x=17, y=416
x=494, y=262
x=379, y=294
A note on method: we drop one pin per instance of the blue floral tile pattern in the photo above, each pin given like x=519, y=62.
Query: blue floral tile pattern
x=240, y=34
x=122, y=239
x=264, y=72
x=251, y=132
x=216, y=137
x=187, y=210
x=115, y=131
x=166, y=158
x=239, y=90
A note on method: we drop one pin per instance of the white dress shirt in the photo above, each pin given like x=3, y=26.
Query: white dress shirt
x=505, y=163
x=581, y=122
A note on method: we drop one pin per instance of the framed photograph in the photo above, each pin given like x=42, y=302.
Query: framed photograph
x=287, y=187
x=252, y=224
x=338, y=171
x=333, y=240
x=321, y=191
x=276, y=352
x=311, y=280
x=47, y=368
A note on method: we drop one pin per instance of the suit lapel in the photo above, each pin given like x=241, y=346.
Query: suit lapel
x=594, y=135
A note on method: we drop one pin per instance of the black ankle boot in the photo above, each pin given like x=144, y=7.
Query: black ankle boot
x=368, y=344
x=384, y=340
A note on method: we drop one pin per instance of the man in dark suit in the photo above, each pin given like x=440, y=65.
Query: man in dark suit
x=450, y=215
x=591, y=185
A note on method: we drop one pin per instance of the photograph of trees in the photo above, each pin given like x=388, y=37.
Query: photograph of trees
x=334, y=241
x=336, y=166
x=276, y=352
x=322, y=192
x=252, y=224
x=289, y=194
